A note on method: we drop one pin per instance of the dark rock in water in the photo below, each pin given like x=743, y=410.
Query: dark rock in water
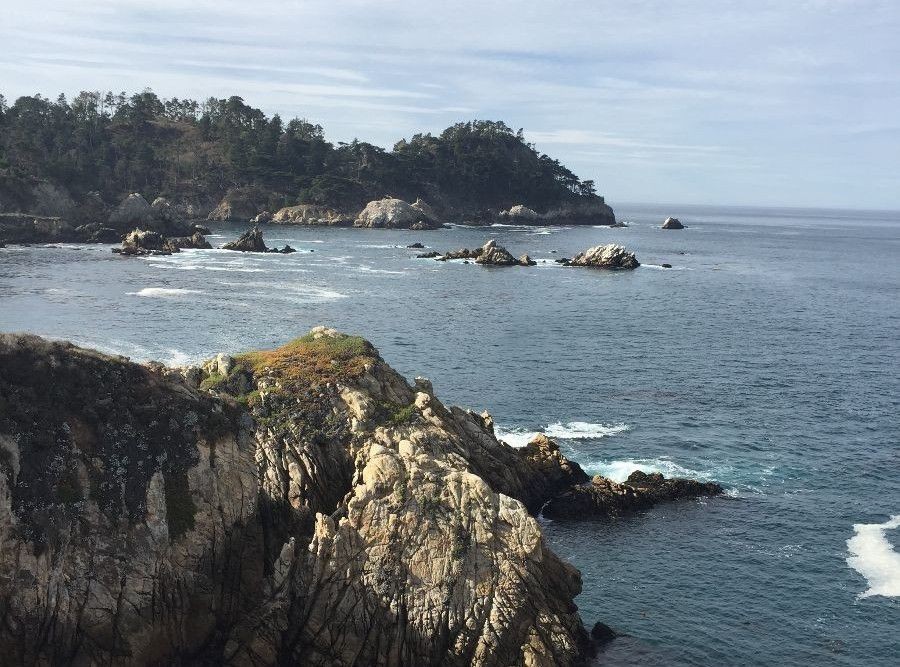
x=610, y=256
x=667, y=266
x=286, y=250
x=141, y=242
x=605, y=498
x=195, y=240
x=602, y=634
x=525, y=260
x=563, y=260
x=25, y=228
x=672, y=223
x=462, y=253
x=552, y=473
x=250, y=241
x=428, y=255
x=416, y=245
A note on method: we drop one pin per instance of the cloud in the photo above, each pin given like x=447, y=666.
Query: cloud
x=728, y=93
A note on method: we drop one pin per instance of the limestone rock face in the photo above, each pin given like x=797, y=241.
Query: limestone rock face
x=611, y=256
x=311, y=214
x=672, y=223
x=390, y=213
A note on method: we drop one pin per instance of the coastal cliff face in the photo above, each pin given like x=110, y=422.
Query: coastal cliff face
x=299, y=506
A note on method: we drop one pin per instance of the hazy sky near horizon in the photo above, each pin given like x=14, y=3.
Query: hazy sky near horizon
x=697, y=101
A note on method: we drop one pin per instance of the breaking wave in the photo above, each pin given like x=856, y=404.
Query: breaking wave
x=873, y=556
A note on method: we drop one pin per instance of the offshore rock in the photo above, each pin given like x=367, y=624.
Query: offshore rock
x=672, y=223
x=495, y=255
x=520, y=212
x=611, y=256
x=641, y=491
x=26, y=228
x=391, y=213
x=249, y=241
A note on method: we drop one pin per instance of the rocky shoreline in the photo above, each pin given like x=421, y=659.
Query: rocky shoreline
x=303, y=505
x=53, y=216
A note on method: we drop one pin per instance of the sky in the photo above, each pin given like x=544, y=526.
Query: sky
x=753, y=102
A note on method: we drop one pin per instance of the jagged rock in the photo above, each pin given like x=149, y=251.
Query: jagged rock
x=249, y=241
x=603, y=497
x=286, y=250
x=428, y=255
x=141, y=242
x=417, y=245
x=426, y=210
x=495, y=255
x=611, y=256
x=390, y=213
x=462, y=253
x=602, y=634
x=135, y=500
x=525, y=260
x=672, y=223
x=311, y=214
x=520, y=212
x=261, y=218
x=238, y=205
x=195, y=240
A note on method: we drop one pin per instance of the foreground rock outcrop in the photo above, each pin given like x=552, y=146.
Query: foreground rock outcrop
x=297, y=506
x=610, y=256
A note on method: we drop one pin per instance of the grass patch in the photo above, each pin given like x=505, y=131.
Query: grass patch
x=396, y=414
x=310, y=361
x=211, y=382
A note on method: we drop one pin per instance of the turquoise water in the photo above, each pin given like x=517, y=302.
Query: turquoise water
x=767, y=358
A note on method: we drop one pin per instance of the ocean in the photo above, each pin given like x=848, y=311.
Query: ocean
x=767, y=358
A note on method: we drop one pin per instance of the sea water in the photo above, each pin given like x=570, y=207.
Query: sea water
x=767, y=358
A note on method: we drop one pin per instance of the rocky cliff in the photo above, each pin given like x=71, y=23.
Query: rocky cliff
x=304, y=505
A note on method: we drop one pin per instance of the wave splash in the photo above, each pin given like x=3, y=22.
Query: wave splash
x=163, y=291
x=873, y=556
x=519, y=437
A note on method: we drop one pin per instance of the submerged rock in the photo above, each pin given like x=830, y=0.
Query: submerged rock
x=610, y=256
x=392, y=213
x=672, y=223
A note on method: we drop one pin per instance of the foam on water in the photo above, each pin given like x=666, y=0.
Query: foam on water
x=583, y=430
x=163, y=292
x=519, y=437
x=873, y=556
x=619, y=470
